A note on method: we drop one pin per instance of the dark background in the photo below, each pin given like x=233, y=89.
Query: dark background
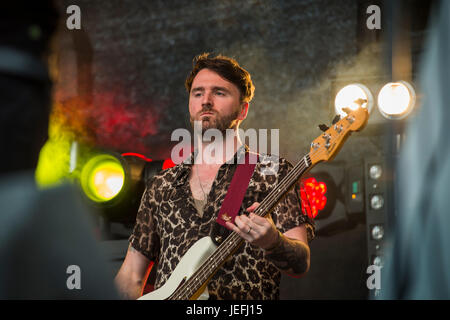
x=120, y=84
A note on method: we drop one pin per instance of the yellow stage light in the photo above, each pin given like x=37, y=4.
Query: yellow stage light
x=102, y=178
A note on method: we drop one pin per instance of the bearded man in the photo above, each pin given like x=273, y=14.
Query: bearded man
x=180, y=204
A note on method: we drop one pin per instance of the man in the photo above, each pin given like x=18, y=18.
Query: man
x=180, y=205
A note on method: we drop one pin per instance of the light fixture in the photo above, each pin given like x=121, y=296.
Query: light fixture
x=396, y=100
x=377, y=232
x=376, y=202
x=168, y=163
x=313, y=196
x=353, y=96
x=378, y=261
x=375, y=172
x=102, y=177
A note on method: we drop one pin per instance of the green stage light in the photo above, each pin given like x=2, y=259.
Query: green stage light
x=102, y=178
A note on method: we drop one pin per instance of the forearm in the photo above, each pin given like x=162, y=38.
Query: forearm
x=289, y=256
x=128, y=288
x=132, y=273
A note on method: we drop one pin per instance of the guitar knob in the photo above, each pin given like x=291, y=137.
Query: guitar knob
x=347, y=110
x=336, y=119
x=360, y=101
x=323, y=127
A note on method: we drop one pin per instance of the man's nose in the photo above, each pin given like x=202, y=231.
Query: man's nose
x=207, y=99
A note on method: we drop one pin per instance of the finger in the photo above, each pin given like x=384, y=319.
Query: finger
x=259, y=221
x=257, y=228
x=242, y=234
x=243, y=223
x=253, y=207
x=232, y=227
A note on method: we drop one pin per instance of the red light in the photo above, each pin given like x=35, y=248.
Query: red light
x=168, y=163
x=312, y=195
x=136, y=155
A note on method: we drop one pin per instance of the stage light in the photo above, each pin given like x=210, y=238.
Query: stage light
x=134, y=154
x=378, y=261
x=375, y=172
x=102, y=178
x=396, y=100
x=353, y=96
x=313, y=197
x=377, y=232
x=321, y=193
x=376, y=202
x=168, y=163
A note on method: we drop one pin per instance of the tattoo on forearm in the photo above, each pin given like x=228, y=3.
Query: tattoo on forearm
x=290, y=256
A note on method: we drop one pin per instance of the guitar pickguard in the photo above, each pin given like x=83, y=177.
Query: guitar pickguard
x=191, y=261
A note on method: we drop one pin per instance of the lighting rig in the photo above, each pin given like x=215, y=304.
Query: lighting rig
x=340, y=194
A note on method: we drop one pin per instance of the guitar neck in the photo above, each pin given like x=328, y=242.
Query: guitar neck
x=279, y=191
x=204, y=273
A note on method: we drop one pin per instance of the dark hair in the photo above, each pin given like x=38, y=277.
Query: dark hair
x=227, y=68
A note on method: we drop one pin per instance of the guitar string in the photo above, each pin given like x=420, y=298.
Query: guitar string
x=230, y=243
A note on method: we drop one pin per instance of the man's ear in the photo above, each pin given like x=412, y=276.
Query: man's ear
x=244, y=111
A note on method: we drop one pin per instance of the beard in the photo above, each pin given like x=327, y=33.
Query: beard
x=217, y=121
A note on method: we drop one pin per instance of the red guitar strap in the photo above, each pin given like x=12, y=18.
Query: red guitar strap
x=238, y=186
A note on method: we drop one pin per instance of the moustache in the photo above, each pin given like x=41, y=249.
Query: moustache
x=206, y=110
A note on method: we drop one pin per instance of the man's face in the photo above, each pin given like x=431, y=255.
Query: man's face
x=215, y=101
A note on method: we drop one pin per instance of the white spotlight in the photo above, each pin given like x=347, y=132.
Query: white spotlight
x=353, y=96
x=396, y=100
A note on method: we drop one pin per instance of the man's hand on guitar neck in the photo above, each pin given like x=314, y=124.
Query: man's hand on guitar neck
x=257, y=230
x=289, y=252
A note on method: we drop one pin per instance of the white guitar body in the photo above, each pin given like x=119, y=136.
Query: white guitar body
x=191, y=261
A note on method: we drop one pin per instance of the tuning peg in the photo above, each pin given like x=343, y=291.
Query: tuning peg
x=347, y=110
x=323, y=127
x=360, y=101
x=336, y=119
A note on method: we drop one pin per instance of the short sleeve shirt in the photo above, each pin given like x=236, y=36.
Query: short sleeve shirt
x=168, y=224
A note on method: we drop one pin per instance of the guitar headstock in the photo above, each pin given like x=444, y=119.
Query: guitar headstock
x=327, y=145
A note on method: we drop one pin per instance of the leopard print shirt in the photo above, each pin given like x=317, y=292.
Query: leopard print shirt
x=167, y=225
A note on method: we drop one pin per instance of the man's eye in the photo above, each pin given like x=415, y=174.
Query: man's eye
x=220, y=93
